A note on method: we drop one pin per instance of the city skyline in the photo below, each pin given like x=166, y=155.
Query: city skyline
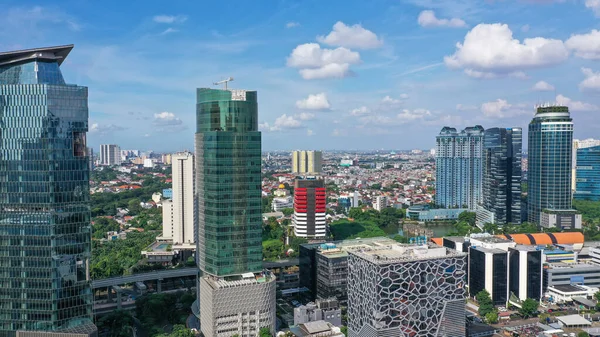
x=402, y=69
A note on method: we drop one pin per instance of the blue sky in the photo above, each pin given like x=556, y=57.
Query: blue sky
x=329, y=74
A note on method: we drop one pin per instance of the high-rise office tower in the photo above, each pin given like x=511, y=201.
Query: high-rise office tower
x=310, y=204
x=588, y=174
x=580, y=144
x=307, y=162
x=459, y=167
x=45, y=230
x=406, y=290
x=550, y=157
x=178, y=213
x=501, y=188
x=236, y=295
x=110, y=154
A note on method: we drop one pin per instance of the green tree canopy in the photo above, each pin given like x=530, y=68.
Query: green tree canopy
x=492, y=317
x=583, y=334
x=485, y=303
x=468, y=217
x=529, y=307
x=118, y=323
x=264, y=332
x=287, y=211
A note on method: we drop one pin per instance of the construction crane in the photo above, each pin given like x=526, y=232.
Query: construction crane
x=229, y=79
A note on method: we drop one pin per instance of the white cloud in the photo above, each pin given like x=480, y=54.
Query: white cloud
x=32, y=19
x=287, y=122
x=542, y=86
x=333, y=70
x=338, y=133
x=104, y=129
x=489, y=50
x=363, y=110
x=404, y=117
x=166, y=118
x=575, y=105
x=169, y=31
x=264, y=127
x=591, y=81
x=500, y=108
x=316, y=63
x=169, y=18
x=408, y=115
x=464, y=107
x=309, y=132
x=495, y=109
x=594, y=5
x=314, y=102
x=168, y=122
x=305, y=116
x=354, y=36
x=389, y=100
x=427, y=18
x=292, y=24
x=282, y=122
x=586, y=46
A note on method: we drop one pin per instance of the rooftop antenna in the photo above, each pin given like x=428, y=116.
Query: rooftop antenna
x=228, y=79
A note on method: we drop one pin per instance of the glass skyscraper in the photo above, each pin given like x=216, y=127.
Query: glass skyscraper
x=228, y=182
x=45, y=231
x=549, y=161
x=588, y=174
x=236, y=296
x=502, y=153
x=459, y=167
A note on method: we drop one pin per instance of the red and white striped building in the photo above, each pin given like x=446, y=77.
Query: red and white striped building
x=310, y=202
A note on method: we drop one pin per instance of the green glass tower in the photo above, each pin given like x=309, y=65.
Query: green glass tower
x=228, y=182
x=45, y=232
x=550, y=160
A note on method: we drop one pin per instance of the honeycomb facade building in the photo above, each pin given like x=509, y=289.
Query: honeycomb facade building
x=406, y=290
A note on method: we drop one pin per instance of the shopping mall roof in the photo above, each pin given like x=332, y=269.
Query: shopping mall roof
x=545, y=238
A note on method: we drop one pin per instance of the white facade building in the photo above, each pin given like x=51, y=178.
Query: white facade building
x=241, y=305
x=178, y=213
x=380, y=203
x=110, y=154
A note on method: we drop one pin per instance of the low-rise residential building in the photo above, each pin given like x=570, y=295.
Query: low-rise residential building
x=322, y=310
x=315, y=329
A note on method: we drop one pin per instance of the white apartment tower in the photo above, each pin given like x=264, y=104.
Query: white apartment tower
x=381, y=202
x=178, y=213
x=110, y=154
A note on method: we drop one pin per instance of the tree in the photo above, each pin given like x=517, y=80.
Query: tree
x=264, y=332
x=492, y=317
x=287, y=211
x=583, y=334
x=490, y=228
x=344, y=330
x=485, y=303
x=529, y=307
x=468, y=217
x=134, y=206
x=117, y=322
x=355, y=213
